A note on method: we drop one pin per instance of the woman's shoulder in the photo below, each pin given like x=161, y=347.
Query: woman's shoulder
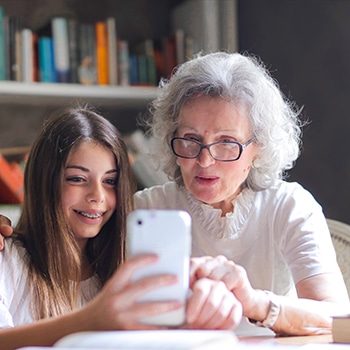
x=287, y=191
x=163, y=196
x=287, y=202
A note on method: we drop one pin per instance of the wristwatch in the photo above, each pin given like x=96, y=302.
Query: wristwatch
x=274, y=311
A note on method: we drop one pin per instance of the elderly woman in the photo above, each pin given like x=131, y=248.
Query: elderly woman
x=227, y=135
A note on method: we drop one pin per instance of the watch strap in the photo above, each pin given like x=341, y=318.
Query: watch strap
x=274, y=311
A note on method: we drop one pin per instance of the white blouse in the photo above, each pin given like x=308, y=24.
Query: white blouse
x=15, y=295
x=279, y=235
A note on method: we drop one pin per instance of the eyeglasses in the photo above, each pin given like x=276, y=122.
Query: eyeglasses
x=223, y=151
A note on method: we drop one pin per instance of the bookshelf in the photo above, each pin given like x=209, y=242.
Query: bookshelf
x=129, y=97
x=26, y=104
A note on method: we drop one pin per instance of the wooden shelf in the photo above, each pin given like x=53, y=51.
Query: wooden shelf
x=127, y=97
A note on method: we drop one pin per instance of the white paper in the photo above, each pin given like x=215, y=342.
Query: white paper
x=163, y=339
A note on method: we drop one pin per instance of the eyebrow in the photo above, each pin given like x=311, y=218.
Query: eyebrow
x=86, y=170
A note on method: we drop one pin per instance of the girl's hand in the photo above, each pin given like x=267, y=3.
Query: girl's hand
x=5, y=229
x=117, y=306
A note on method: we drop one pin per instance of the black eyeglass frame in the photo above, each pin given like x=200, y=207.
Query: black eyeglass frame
x=202, y=146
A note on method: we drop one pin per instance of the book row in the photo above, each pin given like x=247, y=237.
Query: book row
x=68, y=51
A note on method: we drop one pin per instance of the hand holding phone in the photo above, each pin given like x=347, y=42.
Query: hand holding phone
x=166, y=233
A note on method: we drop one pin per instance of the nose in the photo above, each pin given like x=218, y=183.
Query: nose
x=95, y=193
x=205, y=159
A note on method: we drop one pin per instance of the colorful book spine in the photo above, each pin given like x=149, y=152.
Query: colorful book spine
x=73, y=50
x=123, y=63
x=46, y=60
x=102, y=54
x=36, y=74
x=61, y=48
x=142, y=70
x=27, y=55
x=133, y=69
x=18, y=54
x=14, y=29
x=91, y=41
x=86, y=56
x=112, y=51
x=151, y=62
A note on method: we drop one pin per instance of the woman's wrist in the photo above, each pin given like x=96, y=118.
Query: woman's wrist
x=259, y=307
x=273, y=312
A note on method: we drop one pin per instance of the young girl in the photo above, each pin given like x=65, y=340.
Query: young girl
x=70, y=240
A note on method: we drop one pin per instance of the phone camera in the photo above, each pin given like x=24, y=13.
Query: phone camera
x=139, y=222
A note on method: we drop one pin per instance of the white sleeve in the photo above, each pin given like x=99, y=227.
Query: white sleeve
x=5, y=316
x=15, y=293
x=304, y=236
x=5, y=286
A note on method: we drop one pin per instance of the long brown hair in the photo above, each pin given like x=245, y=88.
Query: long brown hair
x=53, y=255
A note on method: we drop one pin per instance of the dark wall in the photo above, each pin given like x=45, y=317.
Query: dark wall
x=306, y=46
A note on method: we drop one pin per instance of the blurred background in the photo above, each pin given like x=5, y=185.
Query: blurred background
x=305, y=44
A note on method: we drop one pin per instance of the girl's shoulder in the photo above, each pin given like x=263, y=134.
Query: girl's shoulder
x=12, y=259
x=14, y=286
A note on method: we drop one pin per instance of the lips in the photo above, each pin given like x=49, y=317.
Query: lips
x=206, y=177
x=206, y=180
x=90, y=215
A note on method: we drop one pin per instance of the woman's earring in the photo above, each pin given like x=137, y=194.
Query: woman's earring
x=177, y=162
x=255, y=164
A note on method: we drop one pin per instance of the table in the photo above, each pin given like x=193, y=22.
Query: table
x=261, y=342
x=313, y=342
x=288, y=340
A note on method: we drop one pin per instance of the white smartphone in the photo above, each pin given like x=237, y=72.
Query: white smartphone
x=166, y=233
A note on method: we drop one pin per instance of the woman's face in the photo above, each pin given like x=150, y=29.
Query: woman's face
x=89, y=189
x=209, y=120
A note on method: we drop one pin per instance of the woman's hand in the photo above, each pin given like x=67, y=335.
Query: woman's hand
x=117, y=306
x=235, y=279
x=212, y=306
x=5, y=229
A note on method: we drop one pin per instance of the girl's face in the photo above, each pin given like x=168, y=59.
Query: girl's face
x=207, y=120
x=89, y=195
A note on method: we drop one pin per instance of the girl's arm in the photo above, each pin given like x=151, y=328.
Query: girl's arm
x=115, y=307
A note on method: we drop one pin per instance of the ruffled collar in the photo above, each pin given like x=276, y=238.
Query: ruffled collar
x=210, y=220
